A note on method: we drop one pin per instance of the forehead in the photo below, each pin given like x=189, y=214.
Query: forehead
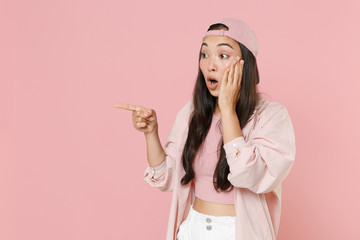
x=213, y=41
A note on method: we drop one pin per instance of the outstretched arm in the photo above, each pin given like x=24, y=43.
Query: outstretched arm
x=158, y=173
x=163, y=176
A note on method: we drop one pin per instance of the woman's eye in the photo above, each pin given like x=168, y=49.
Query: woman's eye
x=203, y=55
x=224, y=55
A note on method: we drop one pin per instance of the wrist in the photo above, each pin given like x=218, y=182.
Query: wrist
x=228, y=112
x=153, y=133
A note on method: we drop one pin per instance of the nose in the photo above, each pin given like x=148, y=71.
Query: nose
x=212, y=65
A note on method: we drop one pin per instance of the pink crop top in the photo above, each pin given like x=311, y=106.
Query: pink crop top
x=204, y=167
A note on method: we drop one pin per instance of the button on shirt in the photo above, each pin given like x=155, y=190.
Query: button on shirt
x=258, y=162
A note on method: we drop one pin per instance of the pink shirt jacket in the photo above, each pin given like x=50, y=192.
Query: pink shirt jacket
x=259, y=162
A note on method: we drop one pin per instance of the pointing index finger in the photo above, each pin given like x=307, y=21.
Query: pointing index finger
x=127, y=106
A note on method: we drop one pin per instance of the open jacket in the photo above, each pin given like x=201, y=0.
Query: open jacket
x=259, y=162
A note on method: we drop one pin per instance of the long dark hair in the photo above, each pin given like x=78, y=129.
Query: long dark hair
x=201, y=117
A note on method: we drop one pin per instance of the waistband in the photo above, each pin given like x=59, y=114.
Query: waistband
x=215, y=219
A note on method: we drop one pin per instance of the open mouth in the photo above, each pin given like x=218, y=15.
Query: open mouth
x=213, y=81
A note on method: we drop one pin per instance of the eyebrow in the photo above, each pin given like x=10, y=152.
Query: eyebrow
x=220, y=44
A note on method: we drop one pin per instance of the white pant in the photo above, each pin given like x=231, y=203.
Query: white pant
x=199, y=226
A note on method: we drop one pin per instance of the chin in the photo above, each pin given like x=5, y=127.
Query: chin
x=214, y=93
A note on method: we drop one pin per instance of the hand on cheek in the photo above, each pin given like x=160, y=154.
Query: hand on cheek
x=229, y=92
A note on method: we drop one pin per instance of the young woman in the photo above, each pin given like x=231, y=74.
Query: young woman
x=229, y=149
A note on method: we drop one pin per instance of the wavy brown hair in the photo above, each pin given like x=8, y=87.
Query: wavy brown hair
x=201, y=117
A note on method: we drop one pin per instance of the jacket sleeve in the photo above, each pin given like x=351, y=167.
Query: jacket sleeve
x=262, y=163
x=163, y=175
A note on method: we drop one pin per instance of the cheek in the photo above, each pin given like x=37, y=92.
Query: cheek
x=201, y=65
x=223, y=69
x=227, y=64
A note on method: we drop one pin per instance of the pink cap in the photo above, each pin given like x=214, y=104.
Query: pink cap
x=239, y=31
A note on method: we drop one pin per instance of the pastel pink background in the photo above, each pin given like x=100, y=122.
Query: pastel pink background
x=71, y=165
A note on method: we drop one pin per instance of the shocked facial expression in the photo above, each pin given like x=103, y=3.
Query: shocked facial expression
x=217, y=53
